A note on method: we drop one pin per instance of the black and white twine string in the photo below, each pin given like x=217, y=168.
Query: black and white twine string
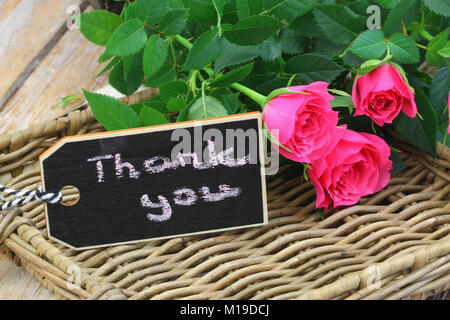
x=26, y=196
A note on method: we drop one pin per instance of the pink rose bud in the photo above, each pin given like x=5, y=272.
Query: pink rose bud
x=359, y=165
x=382, y=94
x=305, y=122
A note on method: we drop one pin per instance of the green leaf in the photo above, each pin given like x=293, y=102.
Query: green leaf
x=130, y=11
x=132, y=67
x=270, y=50
x=128, y=39
x=176, y=104
x=341, y=101
x=252, y=30
x=151, y=12
x=289, y=9
x=231, y=103
x=340, y=24
x=306, y=26
x=406, y=11
x=99, y=25
x=368, y=66
x=209, y=108
x=403, y=48
x=110, y=65
x=445, y=51
x=201, y=12
x=312, y=67
x=247, y=8
x=369, y=44
x=174, y=22
x=165, y=74
x=151, y=117
x=155, y=55
x=325, y=47
x=233, y=54
x=420, y=133
x=398, y=165
x=291, y=42
x=233, y=76
x=434, y=46
x=205, y=50
x=438, y=94
x=390, y=4
x=111, y=113
x=172, y=89
x=125, y=86
x=441, y=7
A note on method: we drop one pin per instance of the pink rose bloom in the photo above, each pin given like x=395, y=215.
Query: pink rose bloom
x=359, y=165
x=305, y=122
x=382, y=94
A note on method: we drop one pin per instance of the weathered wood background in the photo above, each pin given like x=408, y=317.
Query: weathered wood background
x=41, y=60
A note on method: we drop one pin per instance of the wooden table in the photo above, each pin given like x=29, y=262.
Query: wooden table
x=41, y=60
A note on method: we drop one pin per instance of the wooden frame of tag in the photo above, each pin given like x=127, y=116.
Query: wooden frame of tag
x=156, y=128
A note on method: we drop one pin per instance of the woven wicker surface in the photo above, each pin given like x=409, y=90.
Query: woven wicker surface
x=393, y=245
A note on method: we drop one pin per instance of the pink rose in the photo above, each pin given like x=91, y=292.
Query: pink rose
x=305, y=122
x=359, y=165
x=382, y=94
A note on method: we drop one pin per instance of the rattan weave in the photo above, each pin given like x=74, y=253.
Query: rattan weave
x=393, y=245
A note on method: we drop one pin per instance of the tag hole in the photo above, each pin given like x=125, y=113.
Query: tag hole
x=71, y=196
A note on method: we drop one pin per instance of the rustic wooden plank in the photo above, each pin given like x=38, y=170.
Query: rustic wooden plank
x=18, y=284
x=70, y=67
x=26, y=33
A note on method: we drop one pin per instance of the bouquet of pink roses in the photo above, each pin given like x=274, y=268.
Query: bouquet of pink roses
x=327, y=77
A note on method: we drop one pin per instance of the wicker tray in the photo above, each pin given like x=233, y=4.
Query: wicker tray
x=393, y=245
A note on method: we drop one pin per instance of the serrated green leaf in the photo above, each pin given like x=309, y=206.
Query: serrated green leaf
x=398, y=165
x=306, y=26
x=340, y=24
x=438, y=42
x=404, y=12
x=231, y=103
x=151, y=12
x=390, y=4
x=111, y=113
x=165, y=74
x=109, y=66
x=403, y=48
x=205, y=50
x=128, y=39
x=247, y=8
x=233, y=54
x=233, y=76
x=176, y=104
x=132, y=66
x=172, y=89
x=270, y=50
x=289, y=9
x=252, y=30
x=124, y=86
x=420, y=133
x=201, y=12
x=291, y=42
x=155, y=55
x=311, y=67
x=369, y=44
x=174, y=22
x=445, y=51
x=326, y=48
x=151, y=117
x=99, y=25
x=209, y=108
x=441, y=7
x=438, y=94
x=130, y=11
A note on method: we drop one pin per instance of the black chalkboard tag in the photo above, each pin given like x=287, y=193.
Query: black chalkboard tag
x=157, y=182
